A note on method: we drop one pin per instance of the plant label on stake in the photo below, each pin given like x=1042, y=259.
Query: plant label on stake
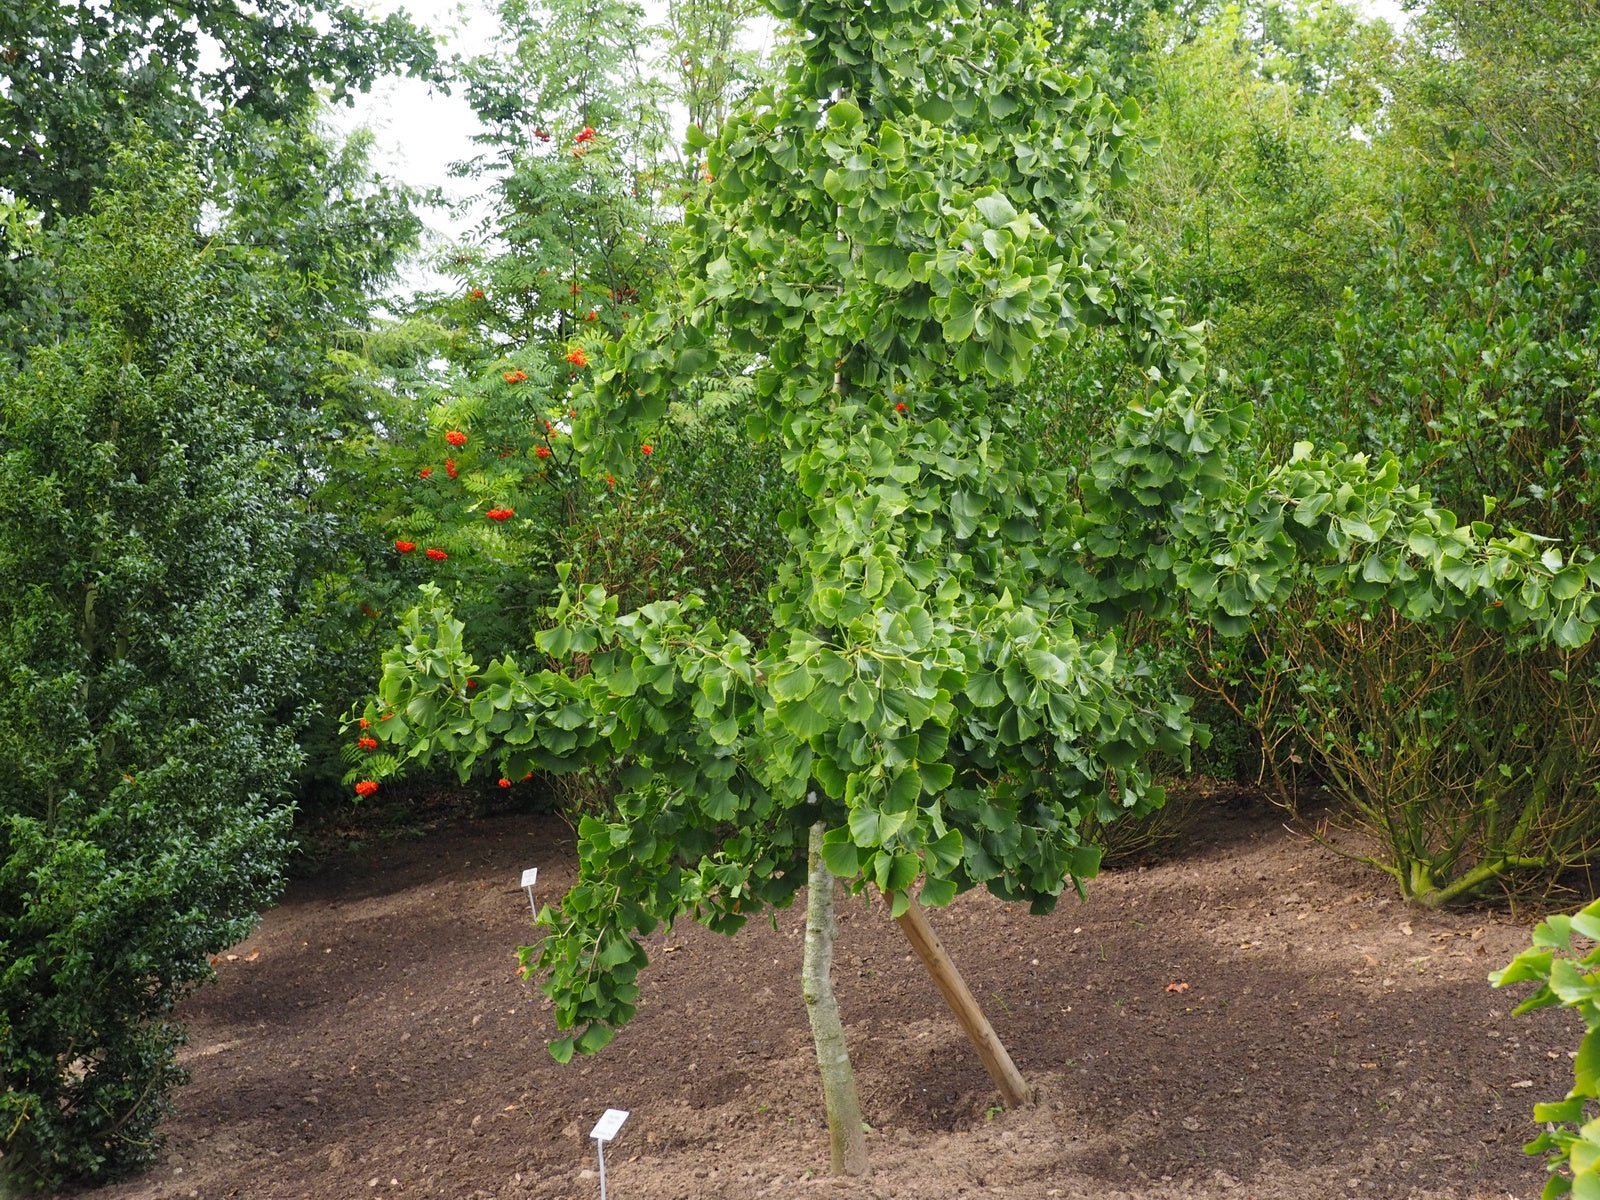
x=529, y=878
x=606, y=1128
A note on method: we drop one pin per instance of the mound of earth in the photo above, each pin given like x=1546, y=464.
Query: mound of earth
x=1253, y=1018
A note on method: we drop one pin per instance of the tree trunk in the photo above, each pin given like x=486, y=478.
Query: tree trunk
x=847, y=1142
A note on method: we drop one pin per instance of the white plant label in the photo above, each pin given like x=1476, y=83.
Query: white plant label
x=530, y=877
x=609, y=1125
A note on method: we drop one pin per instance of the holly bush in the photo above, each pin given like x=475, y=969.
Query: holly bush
x=145, y=649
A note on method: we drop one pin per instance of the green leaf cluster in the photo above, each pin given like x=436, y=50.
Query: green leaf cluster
x=1568, y=976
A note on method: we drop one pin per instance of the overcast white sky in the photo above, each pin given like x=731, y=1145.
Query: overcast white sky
x=421, y=132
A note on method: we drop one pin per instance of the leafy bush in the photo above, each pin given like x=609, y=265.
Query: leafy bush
x=1470, y=765
x=1254, y=198
x=1464, y=345
x=321, y=234
x=1470, y=355
x=143, y=648
x=704, y=520
x=479, y=490
x=1571, y=1139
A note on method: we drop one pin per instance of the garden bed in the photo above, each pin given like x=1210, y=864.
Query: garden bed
x=1253, y=1017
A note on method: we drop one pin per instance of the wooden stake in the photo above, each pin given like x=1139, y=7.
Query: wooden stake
x=914, y=924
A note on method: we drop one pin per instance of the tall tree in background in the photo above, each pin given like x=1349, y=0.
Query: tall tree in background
x=1515, y=84
x=564, y=65
x=239, y=87
x=79, y=77
x=1260, y=195
x=704, y=53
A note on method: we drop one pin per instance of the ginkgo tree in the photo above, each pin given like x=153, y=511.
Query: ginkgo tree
x=898, y=229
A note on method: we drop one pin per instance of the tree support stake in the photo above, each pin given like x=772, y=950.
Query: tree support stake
x=914, y=924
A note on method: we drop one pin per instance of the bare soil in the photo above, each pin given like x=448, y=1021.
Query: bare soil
x=1251, y=1018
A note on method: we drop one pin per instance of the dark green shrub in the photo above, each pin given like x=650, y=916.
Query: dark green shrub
x=1469, y=765
x=143, y=648
x=1470, y=355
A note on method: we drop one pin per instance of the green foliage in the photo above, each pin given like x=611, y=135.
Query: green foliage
x=79, y=79
x=1116, y=34
x=926, y=660
x=1254, y=197
x=1568, y=976
x=1442, y=239
x=574, y=250
x=561, y=65
x=1508, y=91
x=703, y=51
x=900, y=230
x=309, y=233
x=145, y=652
x=1471, y=355
x=1464, y=347
x=575, y=246
x=1258, y=197
x=701, y=518
x=237, y=87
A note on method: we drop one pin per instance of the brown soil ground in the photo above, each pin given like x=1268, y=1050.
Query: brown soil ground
x=373, y=1039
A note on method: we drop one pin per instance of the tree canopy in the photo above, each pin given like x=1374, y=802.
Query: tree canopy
x=76, y=78
x=899, y=229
